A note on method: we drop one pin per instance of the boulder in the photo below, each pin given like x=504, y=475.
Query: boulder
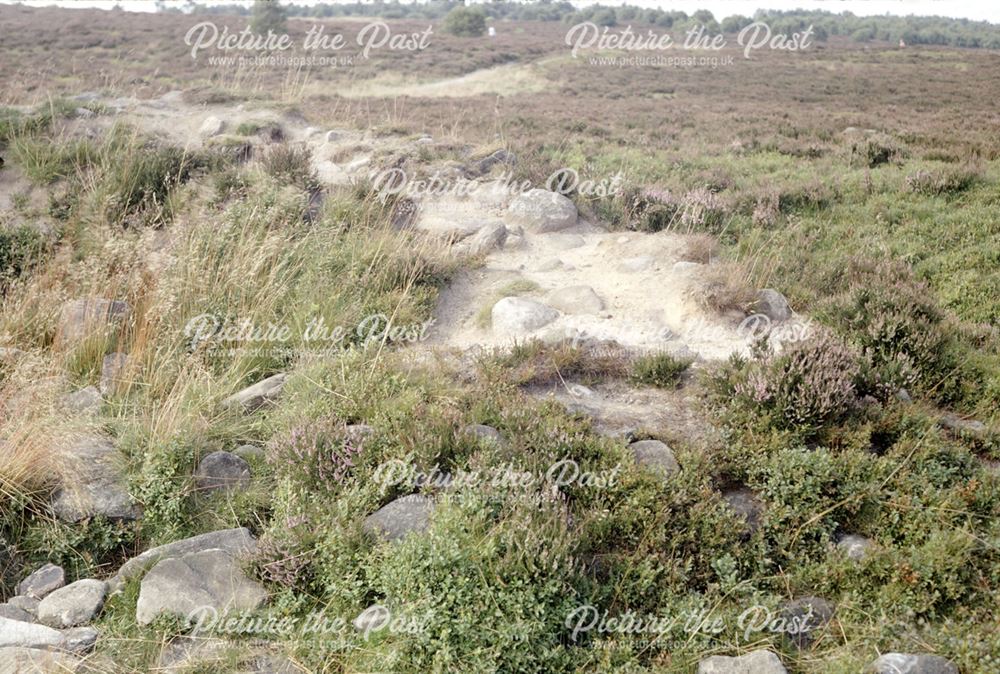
x=655, y=456
x=807, y=615
x=754, y=662
x=488, y=238
x=210, y=578
x=253, y=397
x=222, y=470
x=43, y=581
x=541, y=211
x=854, y=546
x=15, y=613
x=906, y=663
x=25, y=603
x=234, y=541
x=212, y=126
x=484, y=434
x=93, y=484
x=518, y=315
x=76, y=604
x=745, y=504
x=23, y=660
x=85, y=317
x=772, y=304
x=575, y=300
x=85, y=401
x=393, y=521
x=19, y=634
x=112, y=368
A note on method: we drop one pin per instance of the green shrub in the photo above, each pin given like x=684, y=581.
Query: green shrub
x=662, y=370
x=949, y=180
x=267, y=15
x=292, y=165
x=21, y=248
x=465, y=22
x=875, y=150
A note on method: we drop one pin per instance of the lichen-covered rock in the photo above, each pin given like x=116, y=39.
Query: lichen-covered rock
x=907, y=663
x=94, y=484
x=43, y=581
x=222, y=470
x=76, y=604
x=256, y=396
x=541, y=211
x=403, y=516
x=656, y=457
x=772, y=304
x=755, y=662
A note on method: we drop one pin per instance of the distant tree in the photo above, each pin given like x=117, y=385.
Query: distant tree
x=465, y=22
x=605, y=17
x=735, y=23
x=705, y=18
x=268, y=15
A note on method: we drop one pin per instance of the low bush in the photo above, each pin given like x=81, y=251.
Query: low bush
x=945, y=181
x=662, y=370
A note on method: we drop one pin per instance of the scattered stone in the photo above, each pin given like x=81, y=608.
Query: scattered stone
x=25, y=603
x=83, y=113
x=21, y=660
x=903, y=395
x=111, y=369
x=233, y=541
x=86, y=97
x=520, y=314
x=490, y=237
x=93, y=484
x=854, y=546
x=957, y=424
x=250, y=452
x=755, y=662
x=212, y=126
x=655, y=456
x=256, y=396
x=484, y=165
x=222, y=470
x=85, y=401
x=15, y=613
x=772, y=304
x=575, y=300
x=483, y=433
x=210, y=578
x=20, y=634
x=804, y=616
x=81, y=318
x=745, y=504
x=636, y=264
x=541, y=211
x=333, y=135
x=906, y=663
x=424, y=140
x=405, y=515
x=76, y=604
x=43, y=581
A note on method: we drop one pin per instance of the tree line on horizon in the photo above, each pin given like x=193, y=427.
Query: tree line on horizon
x=929, y=30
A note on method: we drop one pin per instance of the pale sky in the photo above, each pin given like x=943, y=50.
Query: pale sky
x=980, y=10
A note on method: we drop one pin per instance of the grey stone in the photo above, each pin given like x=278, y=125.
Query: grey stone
x=655, y=456
x=25, y=603
x=755, y=662
x=250, y=452
x=333, y=135
x=43, y=581
x=21, y=660
x=222, y=470
x=541, y=211
x=15, y=613
x=517, y=315
x=184, y=653
x=904, y=395
x=253, y=397
x=82, y=318
x=83, y=113
x=210, y=578
x=575, y=300
x=373, y=618
x=20, y=634
x=95, y=484
x=745, y=504
x=804, y=616
x=212, y=126
x=111, y=371
x=906, y=663
x=957, y=424
x=854, y=546
x=76, y=604
x=772, y=304
x=405, y=515
x=87, y=97
x=234, y=541
x=488, y=238
x=483, y=433
x=85, y=401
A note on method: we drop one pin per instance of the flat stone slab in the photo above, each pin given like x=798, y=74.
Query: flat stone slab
x=43, y=581
x=97, y=485
x=256, y=396
x=222, y=470
x=519, y=315
x=403, y=516
x=656, y=457
x=755, y=662
x=210, y=578
x=76, y=604
x=907, y=663
x=21, y=660
x=236, y=542
x=19, y=634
